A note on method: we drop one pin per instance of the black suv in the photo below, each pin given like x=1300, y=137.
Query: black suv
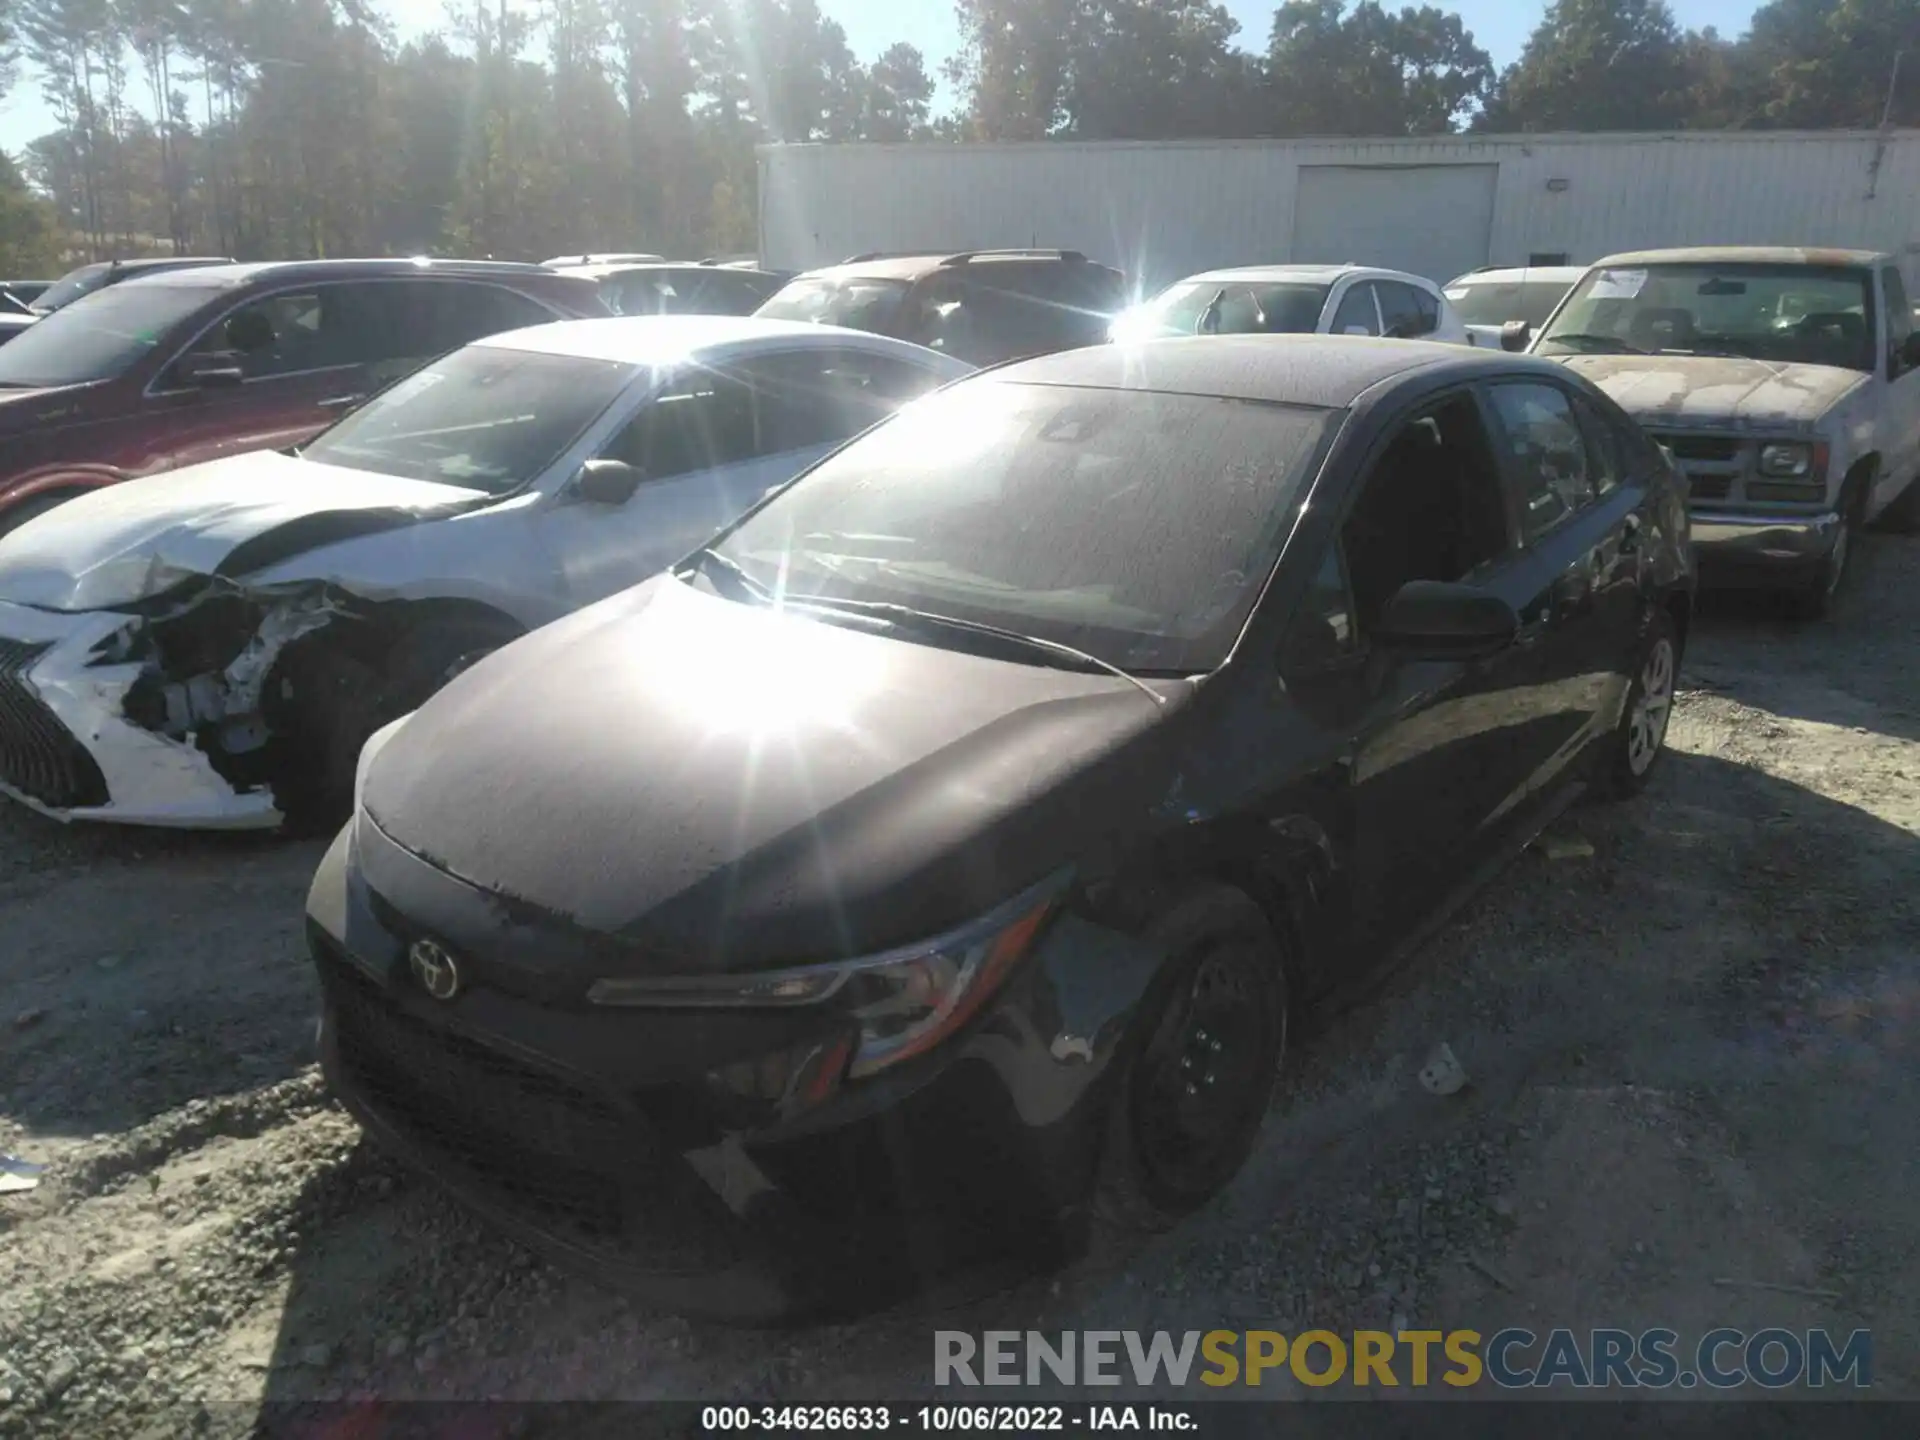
x=981, y=306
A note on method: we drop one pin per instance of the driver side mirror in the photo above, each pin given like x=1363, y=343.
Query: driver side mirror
x=607, y=482
x=1429, y=620
x=211, y=372
x=1909, y=352
x=1515, y=335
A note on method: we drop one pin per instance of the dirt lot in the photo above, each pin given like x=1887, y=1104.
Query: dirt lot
x=1694, y=1058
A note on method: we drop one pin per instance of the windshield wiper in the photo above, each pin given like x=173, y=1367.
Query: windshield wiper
x=709, y=562
x=1607, y=341
x=907, y=616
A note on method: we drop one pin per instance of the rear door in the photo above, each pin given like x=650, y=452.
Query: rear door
x=1577, y=579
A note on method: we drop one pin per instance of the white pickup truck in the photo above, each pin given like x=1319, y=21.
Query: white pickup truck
x=1785, y=383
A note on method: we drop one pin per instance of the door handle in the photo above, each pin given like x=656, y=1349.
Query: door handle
x=341, y=402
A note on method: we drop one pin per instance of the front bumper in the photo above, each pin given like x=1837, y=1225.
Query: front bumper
x=68, y=750
x=1732, y=540
x=618, y=1143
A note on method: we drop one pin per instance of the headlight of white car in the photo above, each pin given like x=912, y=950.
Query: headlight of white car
x=1788, y=461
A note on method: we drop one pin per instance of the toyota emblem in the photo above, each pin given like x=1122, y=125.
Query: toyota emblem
x=435, y=969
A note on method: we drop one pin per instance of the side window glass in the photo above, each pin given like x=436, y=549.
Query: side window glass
x=1356, y=315
x=1548, y=452
x=1323, y=630
x=697, y=421
x=284, y=334
x=1431, y=508
x=1899, y=311
x=1603, y=448
x=1400, y=311
x=1428, y=304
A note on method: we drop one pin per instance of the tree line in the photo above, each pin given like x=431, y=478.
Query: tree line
x=285, y=128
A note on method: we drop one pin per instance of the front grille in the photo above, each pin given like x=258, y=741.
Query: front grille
x=578, y=1162
x=38, y=755
x=1713, y=448
x=1709, y=487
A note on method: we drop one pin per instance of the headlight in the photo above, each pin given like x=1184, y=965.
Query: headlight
x=905, y=1002
x=1788, y=462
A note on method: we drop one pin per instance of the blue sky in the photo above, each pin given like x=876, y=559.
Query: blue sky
x=1502, y=26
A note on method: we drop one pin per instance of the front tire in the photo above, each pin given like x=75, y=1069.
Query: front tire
x=424, y=658
x=1817, y=598
x=1203, y=1062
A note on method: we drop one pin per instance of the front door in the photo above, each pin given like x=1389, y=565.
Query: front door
x=1433, y=748
x=301, y=359
x=1901, y=415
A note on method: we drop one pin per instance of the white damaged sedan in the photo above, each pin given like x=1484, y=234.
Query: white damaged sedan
x=210, y=647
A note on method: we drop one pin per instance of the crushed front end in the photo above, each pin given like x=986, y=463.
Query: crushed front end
x=193, y=709
x=720, y=1161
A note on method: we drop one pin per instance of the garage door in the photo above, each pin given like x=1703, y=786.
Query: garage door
x=1434, y=220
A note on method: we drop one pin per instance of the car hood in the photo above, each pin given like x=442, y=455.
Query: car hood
x=723, y=786
x=1717, y=392
x=125, y=543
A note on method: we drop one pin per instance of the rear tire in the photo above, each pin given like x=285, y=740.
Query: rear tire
x=1902, y=517
x=1641, y=737
x=1815, y=600
x=1204, y=1057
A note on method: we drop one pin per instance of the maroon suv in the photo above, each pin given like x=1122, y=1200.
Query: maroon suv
x=193, y=364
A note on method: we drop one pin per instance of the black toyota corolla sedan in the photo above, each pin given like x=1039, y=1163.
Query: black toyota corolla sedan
x=944, y=854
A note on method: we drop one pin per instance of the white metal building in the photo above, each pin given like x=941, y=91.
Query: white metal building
x=1437, y=207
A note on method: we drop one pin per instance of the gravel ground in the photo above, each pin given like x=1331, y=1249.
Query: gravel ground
x=1693, y=1056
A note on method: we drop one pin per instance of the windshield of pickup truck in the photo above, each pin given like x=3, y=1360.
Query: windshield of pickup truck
x=1790, y=314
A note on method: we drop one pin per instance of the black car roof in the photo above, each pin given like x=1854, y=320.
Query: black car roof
x=1328, y=371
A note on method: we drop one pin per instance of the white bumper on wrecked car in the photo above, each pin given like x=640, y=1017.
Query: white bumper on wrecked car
x=68, y=749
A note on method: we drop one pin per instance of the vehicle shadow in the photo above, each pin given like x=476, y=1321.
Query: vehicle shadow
x=1853, y=669
x=1680, y=955
x=143, y=971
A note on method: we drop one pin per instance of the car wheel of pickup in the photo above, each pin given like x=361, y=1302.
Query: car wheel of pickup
x=1641, y=737
x=1204, y=1059
x=1815, y=600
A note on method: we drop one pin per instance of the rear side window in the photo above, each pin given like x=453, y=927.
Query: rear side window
x=1899, y=312
x=1402, y=314
x=1604, y=446
x=1356, y=315
x=1547, y=452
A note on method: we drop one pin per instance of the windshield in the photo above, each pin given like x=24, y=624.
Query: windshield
x=1792, y=314
x=487, y=418
x=1489, y=303
x=1137, y=527
x=72, y=285
x=1224, y=307
x=98, y=336
x=856, y=304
